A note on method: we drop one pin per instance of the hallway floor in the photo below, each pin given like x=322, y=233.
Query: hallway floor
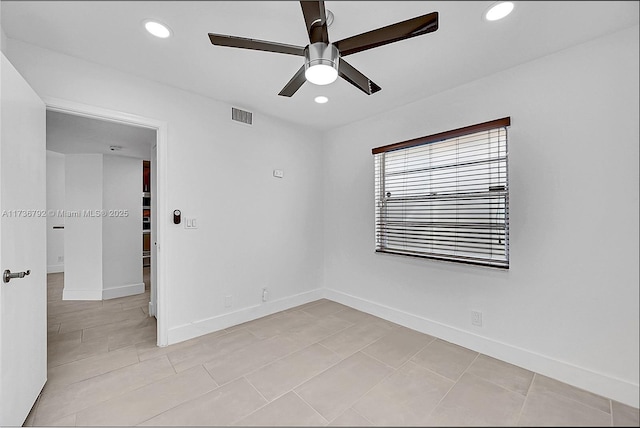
x=316, y=364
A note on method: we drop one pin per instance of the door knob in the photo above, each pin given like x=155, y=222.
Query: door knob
x=8, y=276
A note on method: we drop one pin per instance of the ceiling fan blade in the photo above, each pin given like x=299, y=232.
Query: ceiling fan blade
x=357, y=79
x=391, y=33
x=315, y=17
x=294, y=84
x=258, y=45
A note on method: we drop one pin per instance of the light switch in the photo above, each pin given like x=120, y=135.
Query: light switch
x=278, y=173
x=190, y=223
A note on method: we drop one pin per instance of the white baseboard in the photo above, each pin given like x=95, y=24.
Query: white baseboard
x=55, y=268
x=597, y=383
x=209, y=325
x=123, y=291
x=152, y=309
x=81, y=294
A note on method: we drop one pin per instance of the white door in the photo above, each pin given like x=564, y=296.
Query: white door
x=23, y=301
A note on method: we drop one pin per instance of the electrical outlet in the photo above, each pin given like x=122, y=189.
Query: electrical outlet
x=476, y=318
x=228, y=301
x=265, y=294
x=60, y=259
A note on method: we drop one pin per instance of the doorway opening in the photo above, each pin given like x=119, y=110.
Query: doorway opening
x=150, y=154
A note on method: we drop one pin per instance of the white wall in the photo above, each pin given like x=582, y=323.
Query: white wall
x=254, y=230
x=55, y=204
x=568, y=305
x=103, y=242
x=122, y=227
x=83, y=234
x=3, y=40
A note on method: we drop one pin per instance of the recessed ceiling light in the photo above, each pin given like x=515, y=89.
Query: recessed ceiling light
x=321, y=99
x=498, y=10
x=157, y=29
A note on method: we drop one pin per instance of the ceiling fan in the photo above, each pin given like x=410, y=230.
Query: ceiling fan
x=324, y=61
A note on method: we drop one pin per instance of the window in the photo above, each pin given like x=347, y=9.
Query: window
x=445, y=196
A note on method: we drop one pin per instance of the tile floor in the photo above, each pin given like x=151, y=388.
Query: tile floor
x=317, y=364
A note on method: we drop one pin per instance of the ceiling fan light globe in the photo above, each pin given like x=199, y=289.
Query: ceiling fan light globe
x=321, y=74
x=321, y=63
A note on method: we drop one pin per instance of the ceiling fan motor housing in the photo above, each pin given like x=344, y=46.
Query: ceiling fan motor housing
x=320, y=53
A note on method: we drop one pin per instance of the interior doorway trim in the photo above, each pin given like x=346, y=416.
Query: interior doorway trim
x=89, y=111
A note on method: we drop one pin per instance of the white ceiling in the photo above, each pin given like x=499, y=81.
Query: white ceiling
x=70, y=134
x=464, y=48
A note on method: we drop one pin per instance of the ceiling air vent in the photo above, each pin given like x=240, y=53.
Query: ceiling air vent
x=241, y=116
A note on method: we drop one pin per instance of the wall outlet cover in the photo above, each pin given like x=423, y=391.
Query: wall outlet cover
x=476, y=318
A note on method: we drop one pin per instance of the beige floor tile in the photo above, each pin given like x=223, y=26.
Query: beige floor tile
x=324, y=308
x=131, y=336
x=278, y=325
x=183, y=359
x=625, y=416
x=406, y=398
x=546, y=408
x=243, y=361
x=67, y=421
x=279, y=353
x=506, y=375
x=350, y=418
x=149, y=401
x=149, y=349
x=57, y=403
x=139, y=301
x=336, y=389
x=246, y=324
x=52, y=329
x=445, y=358
x=78, y=315
x=53, y=339
x=140, y=297
x=356, y=337
x=96, y=318
x=54, y=292
x=546, y=384
x=317, y=330
x=222, y=406
x=77, y=371
x=288, y=410
x=396, y=347
x=287, y=373
x=306, y=305
x=475, y=401
x=103, y=331
x=65, y=306
x=69, y=351
x=354, y=316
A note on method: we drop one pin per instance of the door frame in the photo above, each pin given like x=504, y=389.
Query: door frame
x=93, y=112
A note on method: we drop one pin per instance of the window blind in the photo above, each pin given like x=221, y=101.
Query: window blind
x=445, y=196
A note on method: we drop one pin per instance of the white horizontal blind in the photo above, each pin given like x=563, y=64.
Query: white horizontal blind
x=446, y=200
